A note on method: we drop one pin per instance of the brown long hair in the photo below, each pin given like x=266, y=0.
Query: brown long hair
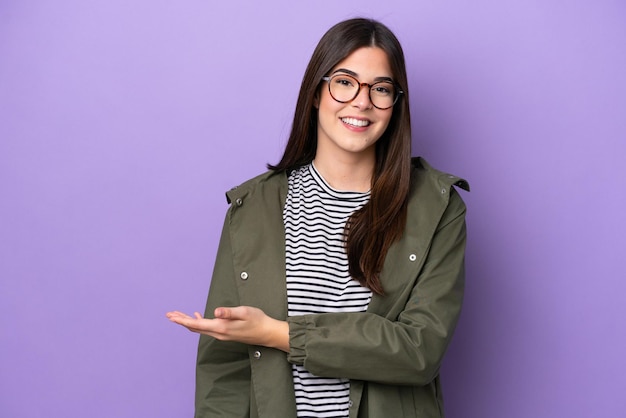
x=371, y=230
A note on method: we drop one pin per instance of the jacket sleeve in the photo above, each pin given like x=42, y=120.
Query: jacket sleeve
x=407, y=348
x=223, y=368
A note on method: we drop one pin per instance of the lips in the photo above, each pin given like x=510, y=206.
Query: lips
x=359, y=123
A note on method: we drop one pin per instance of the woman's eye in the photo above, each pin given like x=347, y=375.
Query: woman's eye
x=344, y=82
x=382, y=90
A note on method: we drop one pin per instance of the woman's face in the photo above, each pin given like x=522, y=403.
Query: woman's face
x=353, y=128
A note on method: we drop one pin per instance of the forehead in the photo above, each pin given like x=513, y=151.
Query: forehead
x=367, y=63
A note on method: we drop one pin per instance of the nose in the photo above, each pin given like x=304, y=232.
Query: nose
x=362, y=99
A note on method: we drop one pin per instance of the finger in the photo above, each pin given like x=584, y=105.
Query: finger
x=243, y=313
x=185, y=320
x=178, y=320
x=176, y=314
x=223, y=313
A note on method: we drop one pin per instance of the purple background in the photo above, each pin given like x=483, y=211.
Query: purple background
x=123, y=122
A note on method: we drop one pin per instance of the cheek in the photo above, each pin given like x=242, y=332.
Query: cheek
x=388, y=120
x=327, y=107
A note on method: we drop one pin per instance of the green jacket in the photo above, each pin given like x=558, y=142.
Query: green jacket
x=391, y=353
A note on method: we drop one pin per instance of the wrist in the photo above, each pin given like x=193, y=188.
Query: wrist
x=279, y=335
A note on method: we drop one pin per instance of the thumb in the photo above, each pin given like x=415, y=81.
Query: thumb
x=223, y=313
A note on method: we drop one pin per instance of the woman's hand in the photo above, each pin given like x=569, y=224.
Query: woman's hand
x=243, y=324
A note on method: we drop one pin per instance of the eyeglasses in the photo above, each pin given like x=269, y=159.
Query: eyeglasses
x=345, y=88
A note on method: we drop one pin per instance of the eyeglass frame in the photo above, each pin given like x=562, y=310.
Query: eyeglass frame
x=399, y=91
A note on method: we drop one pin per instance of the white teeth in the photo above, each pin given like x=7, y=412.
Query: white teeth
x=355, y=122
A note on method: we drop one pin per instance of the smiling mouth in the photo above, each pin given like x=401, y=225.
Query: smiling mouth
x=356, y=122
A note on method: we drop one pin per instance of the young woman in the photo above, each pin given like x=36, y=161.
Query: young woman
x=339, y=275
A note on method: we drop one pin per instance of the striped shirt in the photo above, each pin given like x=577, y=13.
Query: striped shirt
x=317, y=276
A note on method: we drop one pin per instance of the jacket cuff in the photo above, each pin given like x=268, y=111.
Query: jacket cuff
x=297, y=339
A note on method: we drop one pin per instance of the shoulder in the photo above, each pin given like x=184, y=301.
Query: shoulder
x=424, y=174
x=270, y=181
x=433, y=191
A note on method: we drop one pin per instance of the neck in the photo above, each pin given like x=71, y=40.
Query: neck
x=348, y=174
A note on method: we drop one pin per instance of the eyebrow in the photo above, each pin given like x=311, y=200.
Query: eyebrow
x=353, y=74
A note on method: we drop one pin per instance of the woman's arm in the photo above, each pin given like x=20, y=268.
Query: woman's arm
x=408, y=350
x=364, y=346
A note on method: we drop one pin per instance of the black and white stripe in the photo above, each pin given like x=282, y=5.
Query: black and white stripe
x=317, y=275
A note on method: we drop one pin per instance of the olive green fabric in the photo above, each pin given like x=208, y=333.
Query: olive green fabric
x=391, y=353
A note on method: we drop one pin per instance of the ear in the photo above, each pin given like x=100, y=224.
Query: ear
x=316, y=100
